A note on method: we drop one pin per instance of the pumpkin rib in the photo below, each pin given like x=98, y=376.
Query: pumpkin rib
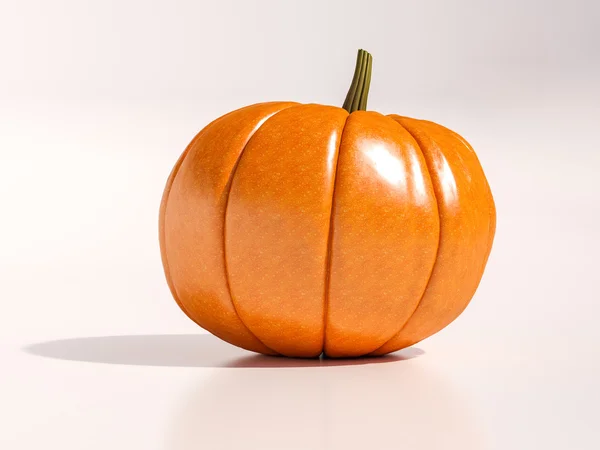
x=227, y=193
x=491, y=207
x=365, y=272
x=492, y=225
x=492, y=204
x=330, y=242
x=204, y=290
x=163, y=216
x=278, y=219
x=437, y=251
x=162, y=222
x=460, y=301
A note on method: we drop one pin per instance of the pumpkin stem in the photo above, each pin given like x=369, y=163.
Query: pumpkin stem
x=356, y=99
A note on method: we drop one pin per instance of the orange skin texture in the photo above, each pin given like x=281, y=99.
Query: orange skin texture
x=297, y=230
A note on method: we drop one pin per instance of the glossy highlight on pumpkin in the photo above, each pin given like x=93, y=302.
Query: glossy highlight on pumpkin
x=299, y=230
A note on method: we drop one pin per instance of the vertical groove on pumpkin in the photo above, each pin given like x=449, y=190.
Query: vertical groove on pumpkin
x=227, y=192
x=437, y=201
x=330, y=242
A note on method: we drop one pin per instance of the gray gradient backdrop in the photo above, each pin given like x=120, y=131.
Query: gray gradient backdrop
x=99, y=98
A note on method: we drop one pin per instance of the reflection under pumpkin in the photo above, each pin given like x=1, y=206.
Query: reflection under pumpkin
x=396, y=404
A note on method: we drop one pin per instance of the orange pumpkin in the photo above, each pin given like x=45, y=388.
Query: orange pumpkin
x=306, y=229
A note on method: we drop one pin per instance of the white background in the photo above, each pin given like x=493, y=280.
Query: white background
x=99, y=98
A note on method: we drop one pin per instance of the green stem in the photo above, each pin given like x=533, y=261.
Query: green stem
x=356, y=99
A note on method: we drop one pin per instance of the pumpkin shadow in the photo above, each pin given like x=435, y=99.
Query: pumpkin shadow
x=184, y=350
x=403, y=405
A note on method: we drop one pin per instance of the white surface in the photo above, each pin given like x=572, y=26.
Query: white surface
x=99, y=99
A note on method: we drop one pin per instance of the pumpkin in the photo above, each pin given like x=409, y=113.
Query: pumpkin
x=304, y=229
